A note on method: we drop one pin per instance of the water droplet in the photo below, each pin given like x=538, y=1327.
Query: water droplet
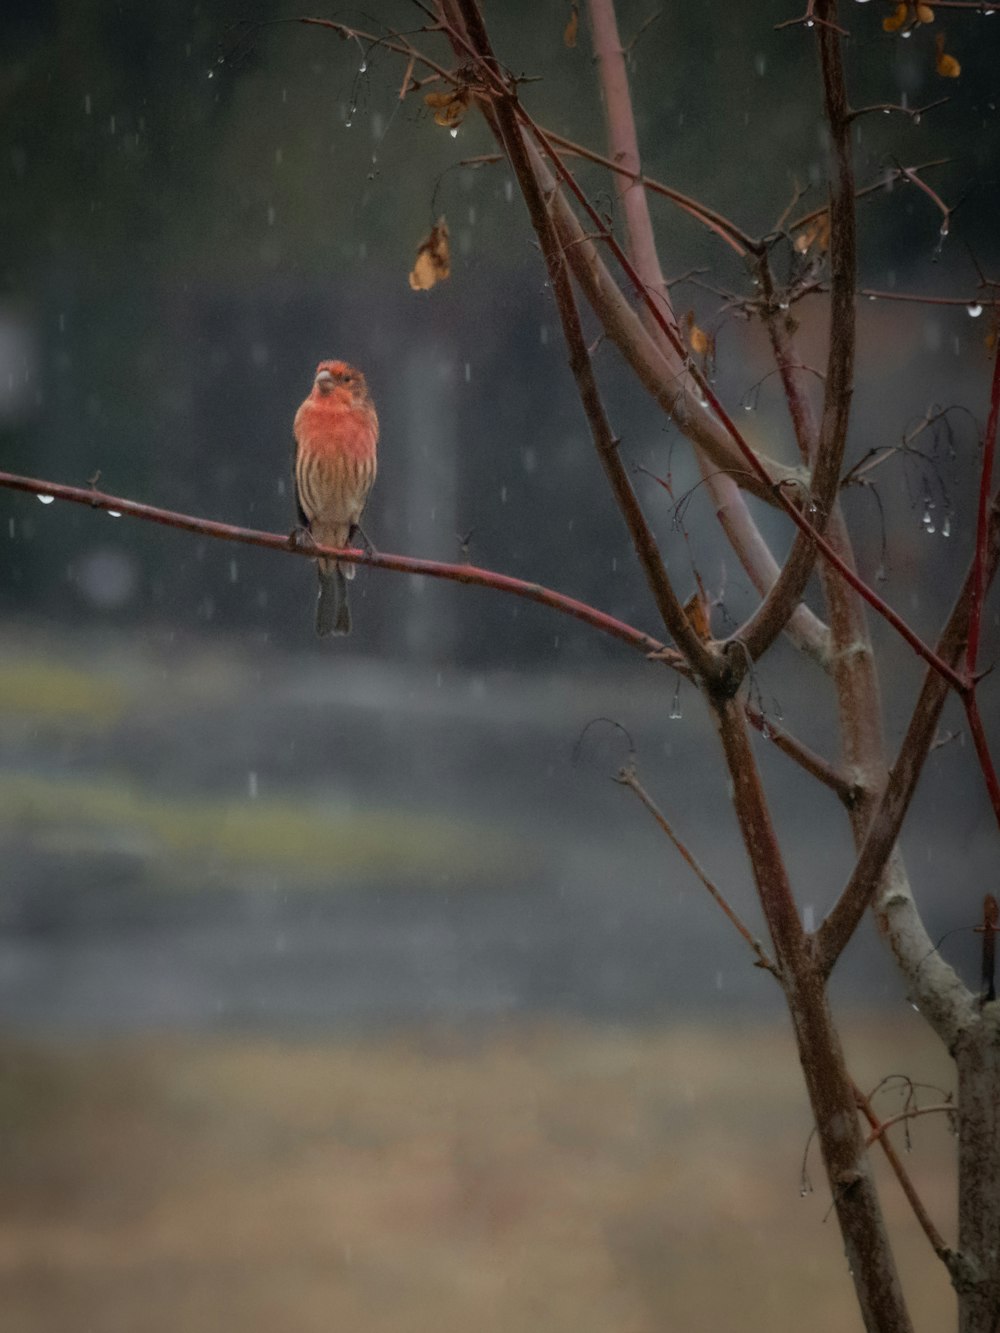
x=810, y=23
x=114, y=513
x=946, y=526
x=907, y=33
x=45, y=499
x=363, y=67
x=454, y=132
x=675, y=706
x=974, y=310
x=211, y=74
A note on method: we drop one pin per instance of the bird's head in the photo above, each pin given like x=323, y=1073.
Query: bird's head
x=332, y=376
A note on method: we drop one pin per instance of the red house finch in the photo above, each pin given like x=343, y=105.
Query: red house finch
x=336, y=431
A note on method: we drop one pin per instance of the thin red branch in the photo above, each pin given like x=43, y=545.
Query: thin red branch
x=876, y=187
x=982, y=522
x=470, y=574
x=911, y=1114
x=737, y=239
x=978, y=734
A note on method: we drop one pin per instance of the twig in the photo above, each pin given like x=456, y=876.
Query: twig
x=874, y=294
x=628, y=778
x=914, y=112
x=807, y=759
x=937, y=1241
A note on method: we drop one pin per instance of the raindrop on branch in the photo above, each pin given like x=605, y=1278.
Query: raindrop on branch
x=974, y=310
x=45, y=499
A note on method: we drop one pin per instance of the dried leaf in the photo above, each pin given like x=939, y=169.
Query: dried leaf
x=947, y=66
x=449, y=107
x=896, y=20
x=817, y=233
x=925, y=14
x=701, y=342
x=433, y=262
x=697, y=610
x=569, y=32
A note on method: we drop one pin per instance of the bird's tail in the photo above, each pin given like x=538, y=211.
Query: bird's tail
x=333, y=615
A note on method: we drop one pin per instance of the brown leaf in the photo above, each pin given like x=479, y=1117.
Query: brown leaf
x=569, y=32
x=817, y=233
x=433, y=262
x=697, y=610
x=925, y=14
x=947, y=66
x=449, y=107
x=895, y=21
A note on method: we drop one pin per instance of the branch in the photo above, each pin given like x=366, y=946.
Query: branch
x=731, y=509
x=705, y=663
x=879, y=1127
x=532, y=592
x=982, y=523
x=813, y=764
x=628, y=778
x=884, y=826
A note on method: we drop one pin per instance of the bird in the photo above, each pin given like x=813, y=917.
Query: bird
x=336, y=439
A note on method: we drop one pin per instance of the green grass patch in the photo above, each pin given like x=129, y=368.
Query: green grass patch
x=48, y=691
x=321, y=842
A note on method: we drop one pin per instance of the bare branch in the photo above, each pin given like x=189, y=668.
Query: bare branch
x=629, y=778
x=943, y=1251
x=532, y=592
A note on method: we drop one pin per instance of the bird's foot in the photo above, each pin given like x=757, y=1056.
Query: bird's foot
x=301, y=539
x=358, y=531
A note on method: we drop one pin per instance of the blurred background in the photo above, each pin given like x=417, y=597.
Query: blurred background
x=339, y=984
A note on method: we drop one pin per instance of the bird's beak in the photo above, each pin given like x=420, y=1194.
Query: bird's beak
x=324, y=377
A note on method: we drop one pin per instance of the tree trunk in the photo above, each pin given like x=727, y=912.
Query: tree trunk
x=977, y=1056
